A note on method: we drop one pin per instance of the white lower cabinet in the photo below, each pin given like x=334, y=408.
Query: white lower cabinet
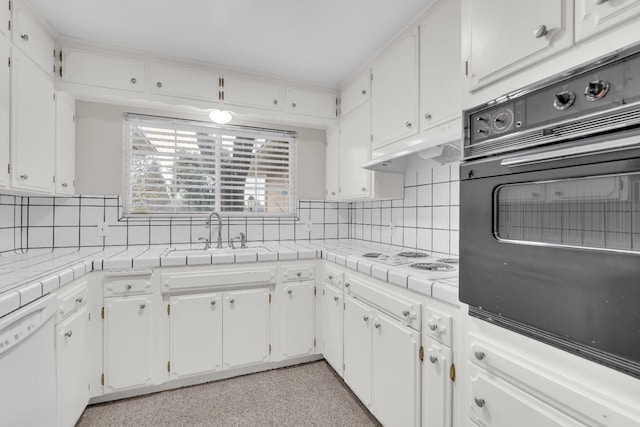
x=5, y=107
x=195, y=334
x=437, y=388
x=358, y=318
x=296, y=319
x=245, y=328
x=128, y=342
x=332, y=312
x=73, y=377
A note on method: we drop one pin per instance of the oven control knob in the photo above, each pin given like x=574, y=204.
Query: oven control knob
x=564, y=100
x=596, y=89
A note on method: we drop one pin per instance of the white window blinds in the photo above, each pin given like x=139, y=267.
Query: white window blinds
x=181, y=167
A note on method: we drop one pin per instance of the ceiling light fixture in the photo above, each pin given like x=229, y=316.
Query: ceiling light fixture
x=220, y=117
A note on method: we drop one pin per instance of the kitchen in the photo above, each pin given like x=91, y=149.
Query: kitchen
x=111, y=282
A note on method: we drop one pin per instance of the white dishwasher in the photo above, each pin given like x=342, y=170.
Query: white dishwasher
x=28, y=365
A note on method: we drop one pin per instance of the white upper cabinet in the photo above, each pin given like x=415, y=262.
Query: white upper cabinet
x=31, y=37
x=440, y=64
x=332, y=160
x=65, y=143
x=355, y=93
x=394, y=100
x=5, y=106
x=183, y=82
x=311, y=103
x=355, y=137
x=32, y=146
x=504, y=36
x=96, y=69
x=5, y=17
x=249, y=92
x=595, y=16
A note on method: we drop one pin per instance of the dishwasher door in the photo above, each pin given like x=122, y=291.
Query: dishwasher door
x=28, y=365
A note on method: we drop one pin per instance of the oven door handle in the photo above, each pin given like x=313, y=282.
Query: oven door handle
x=577, y=151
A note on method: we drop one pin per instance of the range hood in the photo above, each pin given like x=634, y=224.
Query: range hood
x=441, y=144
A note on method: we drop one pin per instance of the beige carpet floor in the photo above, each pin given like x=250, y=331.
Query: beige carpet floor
x=304, y=395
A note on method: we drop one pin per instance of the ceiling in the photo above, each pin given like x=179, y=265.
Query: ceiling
x=316, y=41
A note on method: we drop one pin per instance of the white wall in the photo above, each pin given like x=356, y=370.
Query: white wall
x=99, y=150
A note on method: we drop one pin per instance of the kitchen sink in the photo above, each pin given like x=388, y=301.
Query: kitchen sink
x=215, y=251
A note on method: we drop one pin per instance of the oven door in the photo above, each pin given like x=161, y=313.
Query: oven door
x=550, y=246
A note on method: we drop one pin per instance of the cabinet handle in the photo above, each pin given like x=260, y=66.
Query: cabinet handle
x=213, y=303
x=406, y=313
x=433, y=326
x=364, y=91
x=427, y=116
x=540, y=31
x=275, y=102
x=129, y=286
x=232, y=301
x=299, y=274
x=79, y=300
x=336, y=299
x=24, y=37
x=433, y=359
x=68, y=333
x=597, y=2
x=330, y=277
x=377, y=325
x=289, y=291
x=159, y=84
x=293, y=104
x=24, y=176
x=479, y=355
x=365, y=318
x=133, y=80
x=65, y=185
x=142, y=306
x=347, y=285
x=364, y=189
x=479, y=402
x=408, y=124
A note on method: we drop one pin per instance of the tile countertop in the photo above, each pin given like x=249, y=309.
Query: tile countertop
x=26, y=277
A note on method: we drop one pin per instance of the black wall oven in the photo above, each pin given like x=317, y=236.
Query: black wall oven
x=550, y=212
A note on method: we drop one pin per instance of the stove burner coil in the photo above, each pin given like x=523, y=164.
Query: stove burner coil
x=372, y=255
x=432, y=266
x=412, y=254
x=449, y=260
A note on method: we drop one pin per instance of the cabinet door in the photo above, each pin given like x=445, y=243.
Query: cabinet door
x=496, y=403
x=195, y=334
x=5, y=106
x=5, y=17
x=73, y=375
x=437, y=391
x=32, y=126
x=396, y=372
x=500, y=45
x=332, y=163
x=595, y=16
x=105, y=71
x=309, y=103
x=358, y=321
x=128, y=345
x=252, y=93
x=31, y=37
x=332, y=311
x=182, y=82
x=394, y=99
x=296, y=302
x=355, y=148
x=440, y=69
x=245, y=327
x=356, y=93
x=65, y=143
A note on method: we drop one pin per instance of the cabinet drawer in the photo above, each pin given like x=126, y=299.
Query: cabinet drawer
x=71, y=297
x=297, y=273
x=333, y=276
x=103, y=71
x=31, y=37
x=438, y=326
x=127, y=283
x=403, y=309
x=223, y=278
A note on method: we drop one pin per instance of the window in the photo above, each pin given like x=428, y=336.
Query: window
x=181, y=167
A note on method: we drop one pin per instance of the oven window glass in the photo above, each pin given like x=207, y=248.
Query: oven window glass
x=595, y=212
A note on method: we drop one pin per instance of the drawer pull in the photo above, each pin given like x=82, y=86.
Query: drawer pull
x=433, y=326
x=365, y=318
x=133, y=80
x=347, y=285
x=433, y=359
x=24, y=37
x=479, y=402
x=299, y=274
x=479, y=355
x=142, y=306
x=79, y=300
x=289, y=291
x=213, y=303
x=231, y=301
x=406, y=313
x=129, y=287
x=377, y=325
x=330, y=277
x=68, y=333
x=336, y=299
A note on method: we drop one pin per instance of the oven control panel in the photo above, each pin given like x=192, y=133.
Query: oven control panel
x=497, y=121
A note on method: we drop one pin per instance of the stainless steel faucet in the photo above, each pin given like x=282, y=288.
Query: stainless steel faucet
x=243, y=241
x=208, y=225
